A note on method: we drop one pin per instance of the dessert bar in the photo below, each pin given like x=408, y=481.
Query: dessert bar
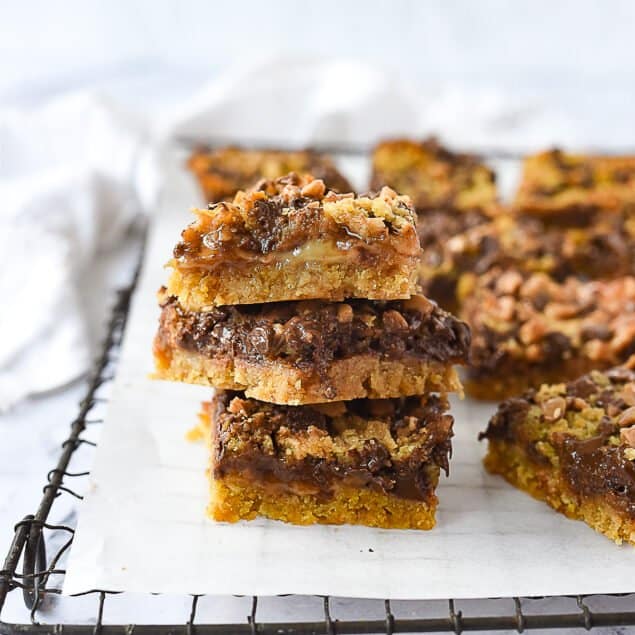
x=603, y=249
x=370, y=462
x=564, y=187
x=573, y=446
x=446, y=254
x=291, y=239
x=314, y=351
x=451, y=192
x=528, y=329
x=434, y=177
x=222, y=172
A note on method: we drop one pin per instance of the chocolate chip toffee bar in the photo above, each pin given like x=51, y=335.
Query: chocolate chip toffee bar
x=528, y=329
x=452, y=193
x=291, y=239
x=572, y=445
x=222, y=172
x=562, y=187
x=369, y=462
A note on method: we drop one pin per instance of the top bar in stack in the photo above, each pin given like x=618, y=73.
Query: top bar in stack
x=224, y=171
x=291, y=239
x=561, y=187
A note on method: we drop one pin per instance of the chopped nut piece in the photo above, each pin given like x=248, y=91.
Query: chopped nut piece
x=628, y=394
x=624, y=336
x=533, y=330
x=554, y=408
x=314, y=189
x=627, y=418
x=506, y=307
x=561, y=311
x=627, y=435
x=387, y=192
x=394, y=321
x=420, y=304
x=344, y=313
x=509, y=282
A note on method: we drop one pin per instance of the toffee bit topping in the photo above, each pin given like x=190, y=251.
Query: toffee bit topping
x=314, y=189
x=520, y=315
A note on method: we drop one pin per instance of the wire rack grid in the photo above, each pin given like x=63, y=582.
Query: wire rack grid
x=33, y=564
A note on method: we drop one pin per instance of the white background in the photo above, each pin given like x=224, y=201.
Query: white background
x=573, y=57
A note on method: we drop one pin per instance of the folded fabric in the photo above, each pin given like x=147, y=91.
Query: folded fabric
x=69, y=183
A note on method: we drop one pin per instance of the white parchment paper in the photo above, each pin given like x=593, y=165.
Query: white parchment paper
x=142, y=525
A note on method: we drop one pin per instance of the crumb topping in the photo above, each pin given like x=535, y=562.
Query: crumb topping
x=395, y=429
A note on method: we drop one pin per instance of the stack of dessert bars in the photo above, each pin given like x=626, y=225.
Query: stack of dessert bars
x=331, y=374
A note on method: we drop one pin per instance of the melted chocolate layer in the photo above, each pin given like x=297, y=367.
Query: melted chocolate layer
x=316, y=333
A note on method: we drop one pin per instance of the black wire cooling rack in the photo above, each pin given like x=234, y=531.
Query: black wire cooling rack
x=34, y=563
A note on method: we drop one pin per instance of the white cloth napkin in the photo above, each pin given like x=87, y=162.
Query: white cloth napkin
x=75, y=173
x=70, y=188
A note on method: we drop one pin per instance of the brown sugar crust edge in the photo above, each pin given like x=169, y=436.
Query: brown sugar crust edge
x=234, y=498
x=545, y=484
x=358, y=377
x=197, y=290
